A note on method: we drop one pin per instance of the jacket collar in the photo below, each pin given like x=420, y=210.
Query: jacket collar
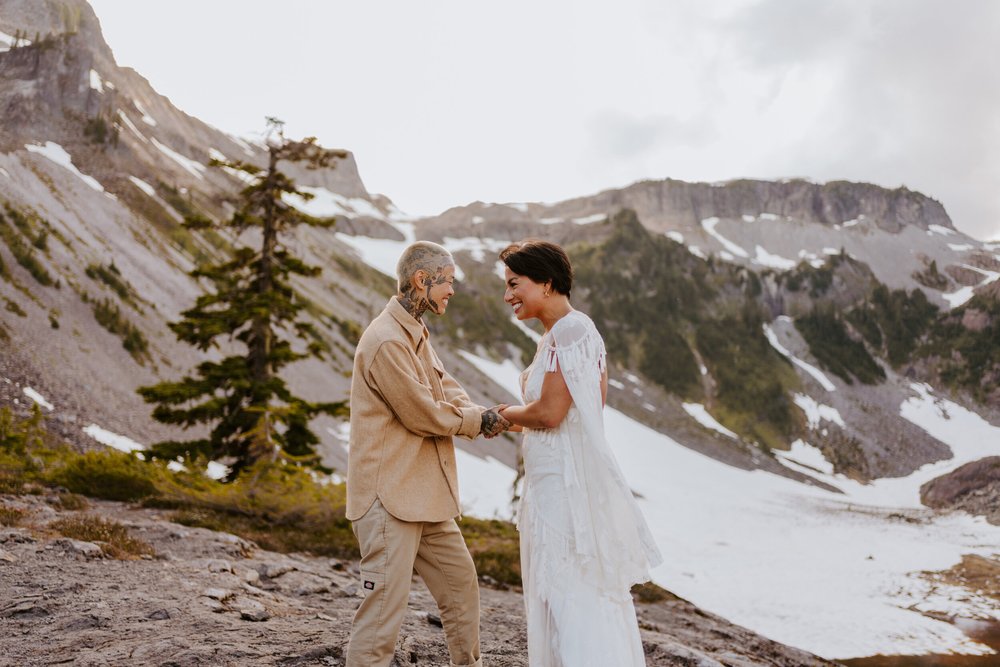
x=415, y=329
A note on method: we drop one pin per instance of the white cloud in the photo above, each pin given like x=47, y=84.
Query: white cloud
x=525, y=101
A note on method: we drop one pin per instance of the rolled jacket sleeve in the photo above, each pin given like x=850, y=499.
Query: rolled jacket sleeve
x=393, y=373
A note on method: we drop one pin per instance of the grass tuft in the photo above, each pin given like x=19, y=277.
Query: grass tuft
x=11, y=516
x=113, y=538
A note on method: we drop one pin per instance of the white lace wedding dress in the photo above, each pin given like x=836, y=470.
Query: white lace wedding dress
x=584, y=541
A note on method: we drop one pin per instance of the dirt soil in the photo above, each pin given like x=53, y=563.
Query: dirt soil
x=211, y=598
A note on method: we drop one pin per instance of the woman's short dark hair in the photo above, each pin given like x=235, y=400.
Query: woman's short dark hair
x=542, y=261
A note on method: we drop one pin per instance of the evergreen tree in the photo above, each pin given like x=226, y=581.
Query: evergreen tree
x=252, y=414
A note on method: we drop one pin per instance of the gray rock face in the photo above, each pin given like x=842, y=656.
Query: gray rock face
x=78, y=548
x=974, y=488
x=670, y=203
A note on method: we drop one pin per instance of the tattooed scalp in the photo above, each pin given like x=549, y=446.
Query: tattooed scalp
x=430, y=258
x=422, y=255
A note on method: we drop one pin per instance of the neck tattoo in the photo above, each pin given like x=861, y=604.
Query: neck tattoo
x=413, y=303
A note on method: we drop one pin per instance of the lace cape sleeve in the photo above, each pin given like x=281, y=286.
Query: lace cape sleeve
x=577, y=346
x=611, y=537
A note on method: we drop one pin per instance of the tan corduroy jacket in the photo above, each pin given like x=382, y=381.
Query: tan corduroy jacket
x=404, y=411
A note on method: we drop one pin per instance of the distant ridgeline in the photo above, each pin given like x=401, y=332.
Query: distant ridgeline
x=668, y=314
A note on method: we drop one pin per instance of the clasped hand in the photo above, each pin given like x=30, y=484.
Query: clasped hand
x=493, y=423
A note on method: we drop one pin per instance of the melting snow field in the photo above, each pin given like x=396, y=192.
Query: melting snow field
x=58, y=154
x=830, y=573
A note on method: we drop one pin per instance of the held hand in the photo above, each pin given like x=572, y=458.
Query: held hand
x=492, y=423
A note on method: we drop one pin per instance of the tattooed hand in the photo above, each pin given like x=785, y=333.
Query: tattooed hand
x=493, y=424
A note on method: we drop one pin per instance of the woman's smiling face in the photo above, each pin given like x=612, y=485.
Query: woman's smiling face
x=524, y=295
x=439, y=288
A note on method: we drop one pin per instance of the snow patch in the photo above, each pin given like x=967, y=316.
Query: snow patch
x=146, y=118
x=105, y=437
x=327, y=204
x=4, y=172
x=765, y=258
x=960, y=247
x=816, y=411
x=616, y=384
x=957, y=298
x=58, y=154
x=7, y=42
x=485, y=486
x=769, y=216
x=804, y=454
x=96, y=82
x=478, y=219
x=697, y=252
x=727, y=256
x=675, y=236
x=701, y=415
x=590, y=219
x=192, y=166
x=938, y=229
x=816, y=373
x=143, y=185
x=381, y=254
x=528, y=331
x=709, y=225
x=851, y=223
x=749, y=218
x=38, y=398
x=518, y=206
x=476, y=246
x=963, y=294
x=131, y=126
x=216, y=470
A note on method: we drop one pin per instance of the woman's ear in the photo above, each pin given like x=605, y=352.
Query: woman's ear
x=417, y=279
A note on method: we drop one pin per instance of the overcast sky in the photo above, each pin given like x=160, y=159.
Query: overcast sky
x=445, y=102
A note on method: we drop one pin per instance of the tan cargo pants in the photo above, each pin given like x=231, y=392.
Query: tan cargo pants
x=390, y=550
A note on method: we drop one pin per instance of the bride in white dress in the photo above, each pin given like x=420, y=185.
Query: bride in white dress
x=584, y=542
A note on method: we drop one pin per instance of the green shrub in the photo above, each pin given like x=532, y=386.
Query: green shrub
x=113, y=538
x=282, y=507
x=112, y=277
x=14, y=236
x=829, y=342
x=107, y=474
x=495, y=547
x=751, y=377
x=109, y=316
x=12, y=307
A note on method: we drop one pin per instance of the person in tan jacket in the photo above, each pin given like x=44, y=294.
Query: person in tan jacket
x=402, y=484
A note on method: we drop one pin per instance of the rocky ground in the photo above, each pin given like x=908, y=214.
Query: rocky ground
x=210, y=598
x=974, y=488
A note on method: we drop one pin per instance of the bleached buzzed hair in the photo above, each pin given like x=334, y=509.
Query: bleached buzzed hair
x=422, y=255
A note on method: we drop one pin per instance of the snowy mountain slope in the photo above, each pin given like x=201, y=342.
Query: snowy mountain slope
x=97, y=171
x=834, y=573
